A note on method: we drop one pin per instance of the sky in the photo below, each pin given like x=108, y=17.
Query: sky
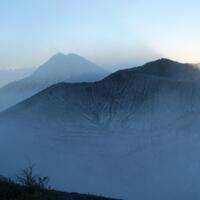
x=112, y=33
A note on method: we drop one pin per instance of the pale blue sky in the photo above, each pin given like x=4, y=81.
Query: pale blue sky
x=108, y=32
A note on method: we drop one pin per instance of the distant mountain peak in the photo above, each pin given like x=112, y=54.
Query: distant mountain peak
x=59, y=68
x=74, y=55
x=72, y=58
x=69, y=67
x=61, y=55
x=57, y=56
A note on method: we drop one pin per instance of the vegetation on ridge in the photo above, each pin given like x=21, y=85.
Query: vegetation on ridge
x=28, y=186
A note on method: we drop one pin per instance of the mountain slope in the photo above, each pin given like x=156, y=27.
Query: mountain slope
x=59, y=68
x=135, y=132
x=114, y=101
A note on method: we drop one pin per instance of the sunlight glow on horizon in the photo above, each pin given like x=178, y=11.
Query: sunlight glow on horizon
x=110, y=33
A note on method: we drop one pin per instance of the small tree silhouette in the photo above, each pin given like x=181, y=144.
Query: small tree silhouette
x=28, y=179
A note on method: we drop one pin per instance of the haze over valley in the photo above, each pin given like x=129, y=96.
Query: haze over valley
x=99, y=100
x=129, y=127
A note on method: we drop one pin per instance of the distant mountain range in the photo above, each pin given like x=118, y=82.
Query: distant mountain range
x=131, y=135
x=8, y=75
x=59, y=68
x=115, y=101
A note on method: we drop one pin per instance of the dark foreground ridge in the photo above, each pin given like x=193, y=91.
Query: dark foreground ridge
x=12, y=191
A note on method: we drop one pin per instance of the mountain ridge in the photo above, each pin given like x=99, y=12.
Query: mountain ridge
x=68, y=68
x=132, y=131
x=166, y=68
x=72, y=64
x=135, y=84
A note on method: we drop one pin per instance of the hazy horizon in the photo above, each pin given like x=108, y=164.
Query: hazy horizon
x=112, y=33
x=71, y=109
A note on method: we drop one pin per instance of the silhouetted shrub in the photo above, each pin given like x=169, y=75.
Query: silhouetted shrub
x=27, y=178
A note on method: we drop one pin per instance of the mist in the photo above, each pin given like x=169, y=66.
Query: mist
x=102, y=97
